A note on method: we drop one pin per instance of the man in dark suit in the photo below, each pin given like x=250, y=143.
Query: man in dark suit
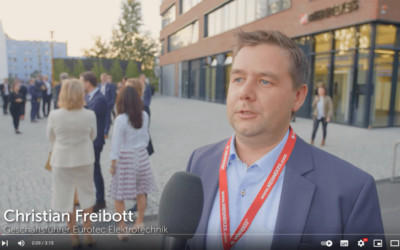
x=5, y=93
x=23, y=90
x=109, y=91
x=57, y=88
x=110, y=81
x=98, y=103
x=40, y=87
x=47, y=96
x=265, y=186
x=34, y=100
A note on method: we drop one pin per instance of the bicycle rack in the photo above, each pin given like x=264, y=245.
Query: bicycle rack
x=394, y=160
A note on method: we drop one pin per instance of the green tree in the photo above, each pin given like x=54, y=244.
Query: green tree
x=100, y=49
x=127, y=28
x=116, y=71
x=131, y=70
x=59, y=67
x=78, y=68
x=98, y=68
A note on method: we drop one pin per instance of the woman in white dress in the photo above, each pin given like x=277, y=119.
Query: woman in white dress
x=72, y=129
x=130, y=166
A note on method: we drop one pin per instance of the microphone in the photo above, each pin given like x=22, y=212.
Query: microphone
x=180, y=210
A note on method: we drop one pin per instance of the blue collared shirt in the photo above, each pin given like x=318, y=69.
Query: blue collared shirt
x=244, y=183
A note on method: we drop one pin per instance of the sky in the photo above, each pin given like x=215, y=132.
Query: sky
x=74, y=21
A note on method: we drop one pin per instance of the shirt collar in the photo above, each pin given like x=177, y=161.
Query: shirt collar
x=267, y=162
x=91, y=94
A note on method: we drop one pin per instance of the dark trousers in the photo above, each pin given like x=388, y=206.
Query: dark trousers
x=15, y=113
x=38, y=108
x=150, y=148
x=98, y=178
x=34, y=109
x=5, y=104
x=46, y=102
x=23, y=108
x=108, y=122
x=316, y=124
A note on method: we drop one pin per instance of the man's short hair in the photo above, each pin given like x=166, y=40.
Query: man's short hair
x=103, y=74
x=64, y=76
x=299, y=70
x=89, y=76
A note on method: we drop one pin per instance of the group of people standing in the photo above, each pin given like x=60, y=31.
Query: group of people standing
x=78, y=130
x=40, y=91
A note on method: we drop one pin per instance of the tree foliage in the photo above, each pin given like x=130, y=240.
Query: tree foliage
x=59, y=67
x=116, y=71
x=131, y=70
x=128, y=42
x=78, y=68
x=101, y=49
x=98, y=68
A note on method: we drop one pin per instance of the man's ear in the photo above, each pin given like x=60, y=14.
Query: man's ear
x=301, y=95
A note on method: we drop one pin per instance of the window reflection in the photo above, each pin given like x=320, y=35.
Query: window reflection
x=184, y=37
x=385, y=35
x=397, y=104
x=382, y=80
x=364, y=36
x=188, y=4
x=345, y=39
x=240, y=12
x=323, y=42
x=168, y=16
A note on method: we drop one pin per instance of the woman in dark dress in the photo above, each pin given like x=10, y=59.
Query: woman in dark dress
x=16, y=105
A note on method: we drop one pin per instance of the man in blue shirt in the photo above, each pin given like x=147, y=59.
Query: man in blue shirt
x=316, y=197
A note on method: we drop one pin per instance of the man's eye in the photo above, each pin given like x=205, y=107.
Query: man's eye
x=238, y=79
x=264, y=82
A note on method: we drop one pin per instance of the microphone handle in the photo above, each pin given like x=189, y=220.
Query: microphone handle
x=173, y=243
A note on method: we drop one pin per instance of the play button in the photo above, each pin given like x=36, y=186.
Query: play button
x=4, y=243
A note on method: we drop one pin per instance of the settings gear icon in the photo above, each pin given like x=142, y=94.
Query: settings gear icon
x=361, y=243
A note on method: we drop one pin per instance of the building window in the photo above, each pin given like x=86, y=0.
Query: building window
x=162, y=47
x=25, y=59
x=188, y=4
x=168, y=16
x=10, y=59
x=385, y=35
x=240, y=12
x=184, y=37
x=15, y=59
x=323, y=42
x=47, y=53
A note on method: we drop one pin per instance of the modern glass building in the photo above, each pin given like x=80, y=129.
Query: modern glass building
x=352, y=47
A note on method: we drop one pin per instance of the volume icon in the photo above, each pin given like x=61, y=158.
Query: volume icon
x=21, y=243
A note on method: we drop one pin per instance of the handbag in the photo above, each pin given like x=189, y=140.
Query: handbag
x=48, y=166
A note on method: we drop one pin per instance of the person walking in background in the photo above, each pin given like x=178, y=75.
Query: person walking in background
x=34, y=100
x=23, y=90
x=146, y=94
x=16, y=101
x=322, y=112
x=130, y=166
x=114, y=86
x=40, y=87
x=71, y=130
x=46, y=96
x=109, y=92
x=5, y=92
x=123, y=81
x=98, y=103
x=57, y=88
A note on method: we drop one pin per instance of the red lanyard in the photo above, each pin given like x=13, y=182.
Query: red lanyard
x=262, y=195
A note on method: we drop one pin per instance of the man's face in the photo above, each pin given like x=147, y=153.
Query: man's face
x=103, y=78
x=45, y=78
x=109, y=79
x=86, y=85
x=261, y=95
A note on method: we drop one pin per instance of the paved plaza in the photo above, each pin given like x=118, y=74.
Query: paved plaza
x=178, y=126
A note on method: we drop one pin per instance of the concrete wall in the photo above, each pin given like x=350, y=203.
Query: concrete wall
x=168, y=80
x=3, y=55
